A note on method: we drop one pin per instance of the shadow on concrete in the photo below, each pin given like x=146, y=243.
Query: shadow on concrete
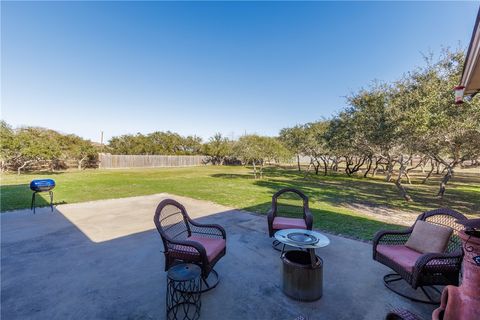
x=18, y=195
x=86, y=262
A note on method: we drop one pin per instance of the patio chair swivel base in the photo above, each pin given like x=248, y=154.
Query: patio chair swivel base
x=211, y=281
x=430, y=298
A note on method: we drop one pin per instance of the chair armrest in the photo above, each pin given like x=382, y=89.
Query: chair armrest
x=188, y=248
x=392, y=237
x=308, y=219
x=208, y=229
x=437, y=263
x=439, y=260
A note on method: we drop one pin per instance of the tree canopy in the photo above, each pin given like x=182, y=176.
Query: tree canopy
x=390, y=124
x=257, y=150
x=158, y=142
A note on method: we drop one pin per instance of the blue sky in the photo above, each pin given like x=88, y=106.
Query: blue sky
x=200, y=68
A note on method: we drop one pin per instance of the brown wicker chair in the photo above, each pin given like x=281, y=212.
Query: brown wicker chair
x=185, y=240
x=421, y=270
x=277, y=222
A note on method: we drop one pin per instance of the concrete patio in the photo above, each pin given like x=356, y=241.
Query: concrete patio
x=103, y=260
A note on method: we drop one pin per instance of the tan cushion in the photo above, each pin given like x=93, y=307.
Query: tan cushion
x=428, y=237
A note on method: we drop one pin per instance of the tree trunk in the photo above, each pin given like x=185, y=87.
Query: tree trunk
x=443, y=183
x=347, y=166
x=390, y=165
x=261, y=169
x=254, y=170
x=430, y=172
x=408, y=177
x=23, y=166
x=80, y=162
x=356, y=162
x=369, y=166
x=398, y=182
x=335, y=164
x=377, y=162
x=407, y=171
x=298, y=162
x=316, y=166
x=308, y=170
x=325, y=165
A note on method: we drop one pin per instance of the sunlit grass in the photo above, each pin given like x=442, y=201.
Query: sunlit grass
x=235, y=187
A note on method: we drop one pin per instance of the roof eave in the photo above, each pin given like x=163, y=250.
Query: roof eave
x=471, y=68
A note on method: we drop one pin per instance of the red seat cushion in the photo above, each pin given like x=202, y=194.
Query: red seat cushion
x=213, y=246
x=403, y=256
x=280, y=223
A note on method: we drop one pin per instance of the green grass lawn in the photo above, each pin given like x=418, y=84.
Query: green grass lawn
x=235, y=187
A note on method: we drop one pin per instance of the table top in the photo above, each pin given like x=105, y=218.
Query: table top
x=302, y=238
x=184, y=272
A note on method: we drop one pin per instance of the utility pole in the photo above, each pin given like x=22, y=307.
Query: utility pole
x=101, y=138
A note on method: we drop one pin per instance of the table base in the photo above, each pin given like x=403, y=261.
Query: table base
x=302, y=279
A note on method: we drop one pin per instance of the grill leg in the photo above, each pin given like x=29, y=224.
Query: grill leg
x=32, y=206
x=51, y=200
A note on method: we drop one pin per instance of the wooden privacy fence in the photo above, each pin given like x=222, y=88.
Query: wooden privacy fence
x=112, y=161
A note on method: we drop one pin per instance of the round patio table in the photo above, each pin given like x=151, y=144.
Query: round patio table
x=302, y=239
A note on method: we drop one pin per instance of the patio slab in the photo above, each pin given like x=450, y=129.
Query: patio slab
x=103, y=260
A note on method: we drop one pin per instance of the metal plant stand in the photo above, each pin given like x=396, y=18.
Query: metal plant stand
x=184, y=286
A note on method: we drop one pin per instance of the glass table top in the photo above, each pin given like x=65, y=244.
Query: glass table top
x=302, y=238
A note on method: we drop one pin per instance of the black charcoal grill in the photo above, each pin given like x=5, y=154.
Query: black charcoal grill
x=42, y=185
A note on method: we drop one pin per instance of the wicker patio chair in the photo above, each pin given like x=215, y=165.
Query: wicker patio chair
x=277, y=222
x=187, y=241
x=417, y=269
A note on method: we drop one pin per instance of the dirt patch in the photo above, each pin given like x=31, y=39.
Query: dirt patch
x=385, y=214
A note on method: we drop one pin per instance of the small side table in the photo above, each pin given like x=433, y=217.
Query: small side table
x=184, y=285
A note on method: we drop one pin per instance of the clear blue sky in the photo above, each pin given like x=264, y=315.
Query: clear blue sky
x=200, y=68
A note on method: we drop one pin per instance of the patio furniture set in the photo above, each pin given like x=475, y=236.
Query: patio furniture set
x=424, y=256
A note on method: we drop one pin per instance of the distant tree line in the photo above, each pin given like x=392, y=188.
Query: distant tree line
x=161, y=143
x=33, y=148
x=251, y=149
